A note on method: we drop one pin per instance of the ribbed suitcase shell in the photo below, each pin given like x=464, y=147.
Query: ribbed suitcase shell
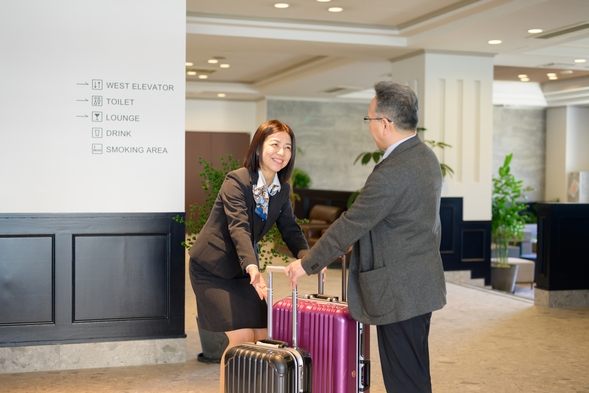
x=269, y=366
x=255, y=368
x=338, y=344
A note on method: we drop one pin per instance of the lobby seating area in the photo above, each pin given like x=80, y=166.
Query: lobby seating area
x=320, y=218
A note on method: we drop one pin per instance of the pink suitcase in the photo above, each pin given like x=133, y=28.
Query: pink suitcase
x=338, y=344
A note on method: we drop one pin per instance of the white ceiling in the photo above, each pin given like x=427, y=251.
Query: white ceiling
x=305, y=51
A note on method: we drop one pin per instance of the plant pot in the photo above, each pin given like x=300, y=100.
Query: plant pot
x=213, y=345
x=503, y=278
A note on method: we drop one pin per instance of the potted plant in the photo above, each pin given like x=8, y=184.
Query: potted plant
x=507, y=224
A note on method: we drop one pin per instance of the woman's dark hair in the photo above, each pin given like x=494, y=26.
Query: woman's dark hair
x=252, y=157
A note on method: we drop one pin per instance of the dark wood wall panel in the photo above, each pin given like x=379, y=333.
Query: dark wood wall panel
x=90, y=277
x=450, y=216
x=130, y=271
x=26, y=279
x=475, y=245
x=563, y=246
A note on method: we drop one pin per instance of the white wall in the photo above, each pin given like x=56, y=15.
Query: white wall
x=577, y=154
x=221, y=116
x=70, y=79
x=556, y=142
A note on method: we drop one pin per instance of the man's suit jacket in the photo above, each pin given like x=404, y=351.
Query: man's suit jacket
x=228, y=241
x=396, y=270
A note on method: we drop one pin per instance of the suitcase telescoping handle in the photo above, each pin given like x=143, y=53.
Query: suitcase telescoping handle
x=320, y=283
x=280, y=269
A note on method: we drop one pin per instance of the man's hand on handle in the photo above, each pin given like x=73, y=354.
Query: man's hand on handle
x=293, y=271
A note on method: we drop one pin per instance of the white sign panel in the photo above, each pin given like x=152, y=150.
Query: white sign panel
x=92, y=106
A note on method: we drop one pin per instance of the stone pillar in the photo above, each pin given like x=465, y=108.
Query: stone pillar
x=455, y=91
x=567, y=140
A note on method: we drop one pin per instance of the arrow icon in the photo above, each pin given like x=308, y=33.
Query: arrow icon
x=82, y=83
x=84, y=100
x=81, y=115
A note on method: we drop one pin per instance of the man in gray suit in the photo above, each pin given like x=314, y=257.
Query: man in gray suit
x=396, y=276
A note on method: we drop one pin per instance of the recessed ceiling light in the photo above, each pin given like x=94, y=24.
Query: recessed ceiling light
x=335, y=9
x=191, y=73
x=535, y=31
x=224, y=65
x=494, y=42
x=566, y=72
x=522, y=76
x=553, y=78
x=281, y=5
x=323, y=1
x=221, y=95
x=212, y=61
x=203, y=76
x=580, y=60
x=189, y=64
x=524, y=79
x=551, y=74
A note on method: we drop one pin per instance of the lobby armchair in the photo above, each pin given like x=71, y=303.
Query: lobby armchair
x=320, y=218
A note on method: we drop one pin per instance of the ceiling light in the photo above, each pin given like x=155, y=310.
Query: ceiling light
x=191, y=73
x=580, y=60
x=323, y=1
x=189, y=64
x=522, y=76
x=566, y=72
x=551, y=74
x=203, y=76
x=335, y=9
x=494, y=42
x=212, y=61
x=535, y=31
x=221, y=95
x=524, y=79
x=553, y=78
x=224, y=65
x=281, y=5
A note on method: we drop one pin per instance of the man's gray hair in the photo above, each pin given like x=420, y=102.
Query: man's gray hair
x=397, y=103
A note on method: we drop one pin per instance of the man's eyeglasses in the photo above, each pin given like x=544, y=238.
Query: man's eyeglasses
x=367, y=119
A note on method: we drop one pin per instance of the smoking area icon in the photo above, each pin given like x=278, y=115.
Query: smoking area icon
x=97, y=148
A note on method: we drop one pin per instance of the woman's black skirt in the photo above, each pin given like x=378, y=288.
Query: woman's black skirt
x=226, y=304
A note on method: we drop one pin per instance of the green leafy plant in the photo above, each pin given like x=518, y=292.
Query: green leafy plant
x=300, y=179
x=507, y=222
x=376, y=156
x=446, y=170
x=212, y=179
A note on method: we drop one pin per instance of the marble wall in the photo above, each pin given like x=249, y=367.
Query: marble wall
x=330, y=136
x=522, y=131
x=91, y=355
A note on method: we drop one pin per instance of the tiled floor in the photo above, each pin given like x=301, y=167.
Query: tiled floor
x=482, y=341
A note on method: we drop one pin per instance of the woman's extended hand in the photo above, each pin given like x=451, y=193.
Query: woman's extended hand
x=258, y=282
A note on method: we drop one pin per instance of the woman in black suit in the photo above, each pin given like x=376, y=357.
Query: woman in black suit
x=224, y=268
